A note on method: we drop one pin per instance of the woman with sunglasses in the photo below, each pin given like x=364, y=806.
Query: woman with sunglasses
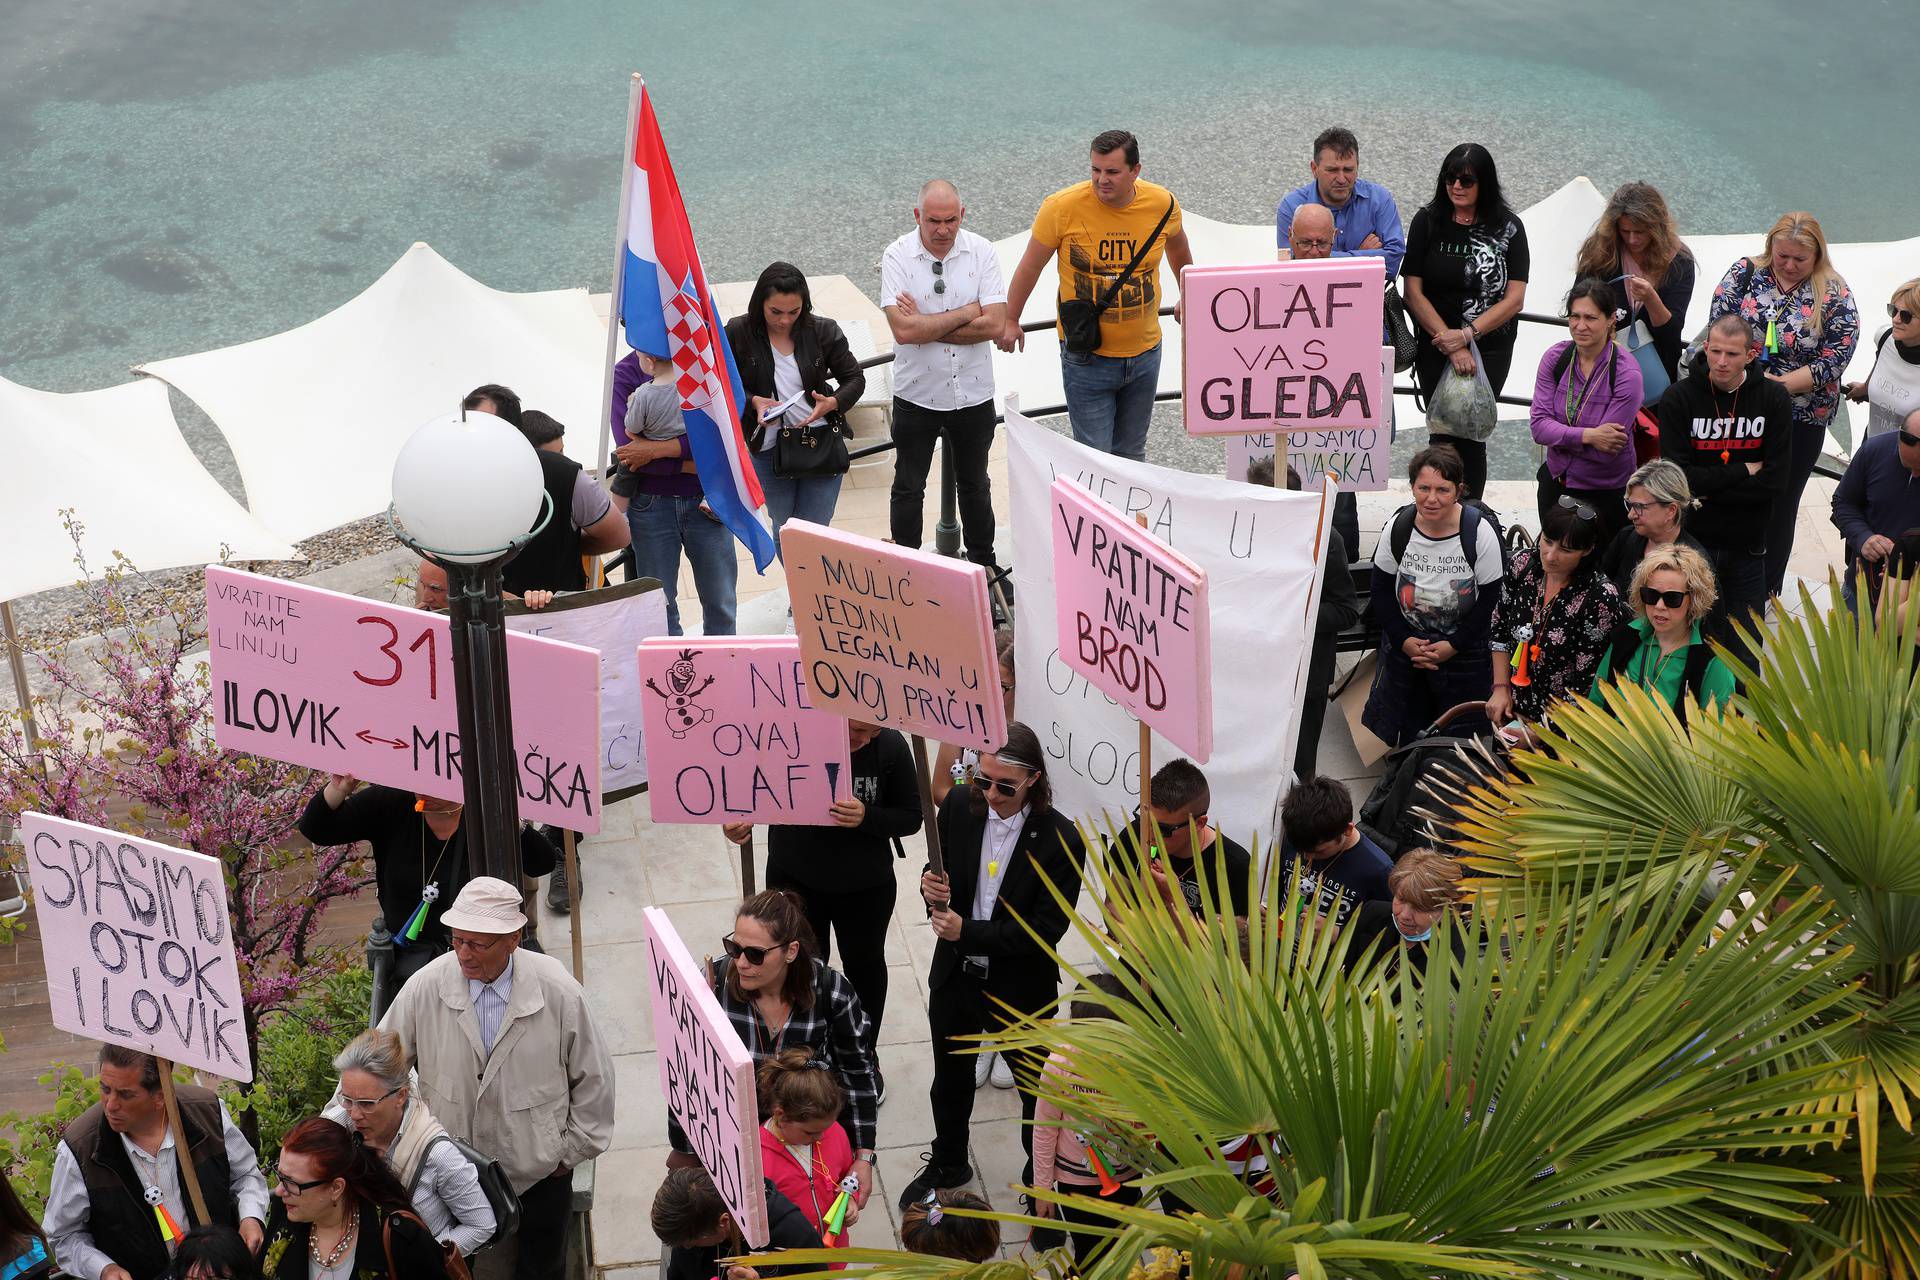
x=1585, y=397
x=789, y=355
x=1661, y=650
x=1636, y=247
x=339, y=1212
x=376, y=1101
x=1556, y=616
x=1466, y=279
x=780, y=995
x=1808, y=324
x=1658, y=500
x=1892, y=390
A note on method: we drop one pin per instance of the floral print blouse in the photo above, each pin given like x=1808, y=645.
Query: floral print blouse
x=1569, y=635
x=1754, y=293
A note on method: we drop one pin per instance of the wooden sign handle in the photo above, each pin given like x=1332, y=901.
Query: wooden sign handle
x=188, y=1173
x=1147, y=829
x=747, y=886
x=570, y=851
x=931, y=815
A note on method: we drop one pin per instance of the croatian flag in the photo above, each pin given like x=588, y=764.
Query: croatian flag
x=668, y=310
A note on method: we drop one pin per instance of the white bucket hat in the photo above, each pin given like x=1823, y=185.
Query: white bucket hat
x=486, y=905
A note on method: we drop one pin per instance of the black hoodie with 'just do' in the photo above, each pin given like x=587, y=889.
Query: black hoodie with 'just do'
x=1714, y=435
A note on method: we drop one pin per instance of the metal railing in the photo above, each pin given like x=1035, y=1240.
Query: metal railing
x=946, y=533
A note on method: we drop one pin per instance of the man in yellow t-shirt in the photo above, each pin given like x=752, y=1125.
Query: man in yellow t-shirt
x=1094, y=228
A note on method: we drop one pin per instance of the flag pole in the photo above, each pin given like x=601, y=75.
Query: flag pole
x=604, y=453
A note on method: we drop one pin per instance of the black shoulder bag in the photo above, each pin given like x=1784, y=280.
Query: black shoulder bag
x=1080, y=319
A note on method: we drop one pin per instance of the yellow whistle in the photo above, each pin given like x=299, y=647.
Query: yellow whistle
x=993, y=869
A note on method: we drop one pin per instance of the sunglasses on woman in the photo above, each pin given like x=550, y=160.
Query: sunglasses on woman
x=1580, y=509
x=1671, y=599
x=1465, y=181
x=1003, y=786
x=753, y=955
x=1900, y=314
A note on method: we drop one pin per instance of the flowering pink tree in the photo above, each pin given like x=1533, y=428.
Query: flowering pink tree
x=131, y=723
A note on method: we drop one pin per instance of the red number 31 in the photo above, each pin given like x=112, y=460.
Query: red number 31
x=393, y=638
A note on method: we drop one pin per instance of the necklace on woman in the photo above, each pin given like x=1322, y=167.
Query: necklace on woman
x=1575, y=402
x=331, y=1260
x=778, y=1037
x=429, y=885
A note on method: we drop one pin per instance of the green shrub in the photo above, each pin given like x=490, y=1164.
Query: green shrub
x=27, y=1156
x=294, y=1076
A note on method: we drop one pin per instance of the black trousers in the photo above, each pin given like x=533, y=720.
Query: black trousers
x=1808, y=440
x=544, y=1209
x=1428, y=364
x=961, y=1008
x=915, y=433
x=859, y=918
x=1084, y=1243
x=1741, y=576
x=1610, y=505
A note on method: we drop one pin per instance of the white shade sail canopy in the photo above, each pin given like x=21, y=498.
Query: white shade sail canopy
x=117, y=460
x=316, y=415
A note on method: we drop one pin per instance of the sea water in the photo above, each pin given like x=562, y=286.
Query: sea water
x=177, y=175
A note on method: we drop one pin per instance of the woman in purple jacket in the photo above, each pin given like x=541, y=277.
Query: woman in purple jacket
x=1585, y=398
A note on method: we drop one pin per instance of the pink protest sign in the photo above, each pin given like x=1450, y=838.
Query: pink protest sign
x=1132, y=614
x=706, y=1074
x=1283, y=345
x=896, y=637
x=335, y=682
x=1360, y=456
x=732, y=735
x=138, y=948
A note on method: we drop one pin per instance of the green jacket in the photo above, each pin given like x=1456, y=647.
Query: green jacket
x=1647, y=669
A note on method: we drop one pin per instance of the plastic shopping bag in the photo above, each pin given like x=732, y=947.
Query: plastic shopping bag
x=1462, y=404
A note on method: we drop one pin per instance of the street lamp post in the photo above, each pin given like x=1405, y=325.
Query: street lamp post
x=467, y=490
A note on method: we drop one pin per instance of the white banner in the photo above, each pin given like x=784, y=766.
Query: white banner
x=1257, y=547
x=613, y=620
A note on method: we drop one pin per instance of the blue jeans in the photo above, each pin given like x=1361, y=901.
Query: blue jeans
x=1110, y=400
x=807, y=497
x=662, y=526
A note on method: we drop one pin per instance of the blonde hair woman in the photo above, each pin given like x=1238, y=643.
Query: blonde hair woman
x=376, y=1101
x=1636, y=238
x=1658, y=500
x=1425, y=884
x=1892, y=390
x=1792, y=296
x=1661, y=650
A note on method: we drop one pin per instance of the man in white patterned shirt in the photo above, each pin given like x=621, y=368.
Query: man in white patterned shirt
x=946, y=301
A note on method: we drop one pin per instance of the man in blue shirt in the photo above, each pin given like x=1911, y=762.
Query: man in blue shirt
x=1365, y=219
x=1877, y=503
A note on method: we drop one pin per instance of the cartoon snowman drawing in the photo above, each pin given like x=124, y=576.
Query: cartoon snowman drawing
x=683, y=710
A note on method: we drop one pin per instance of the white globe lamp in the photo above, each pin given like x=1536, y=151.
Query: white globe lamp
x=465, y=485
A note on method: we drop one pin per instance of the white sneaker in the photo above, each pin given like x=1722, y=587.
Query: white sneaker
x=982, y=1065
x=1002, y=1072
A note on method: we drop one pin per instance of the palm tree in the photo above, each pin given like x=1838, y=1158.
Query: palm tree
x=1817, y=772
x=1600, y=1083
